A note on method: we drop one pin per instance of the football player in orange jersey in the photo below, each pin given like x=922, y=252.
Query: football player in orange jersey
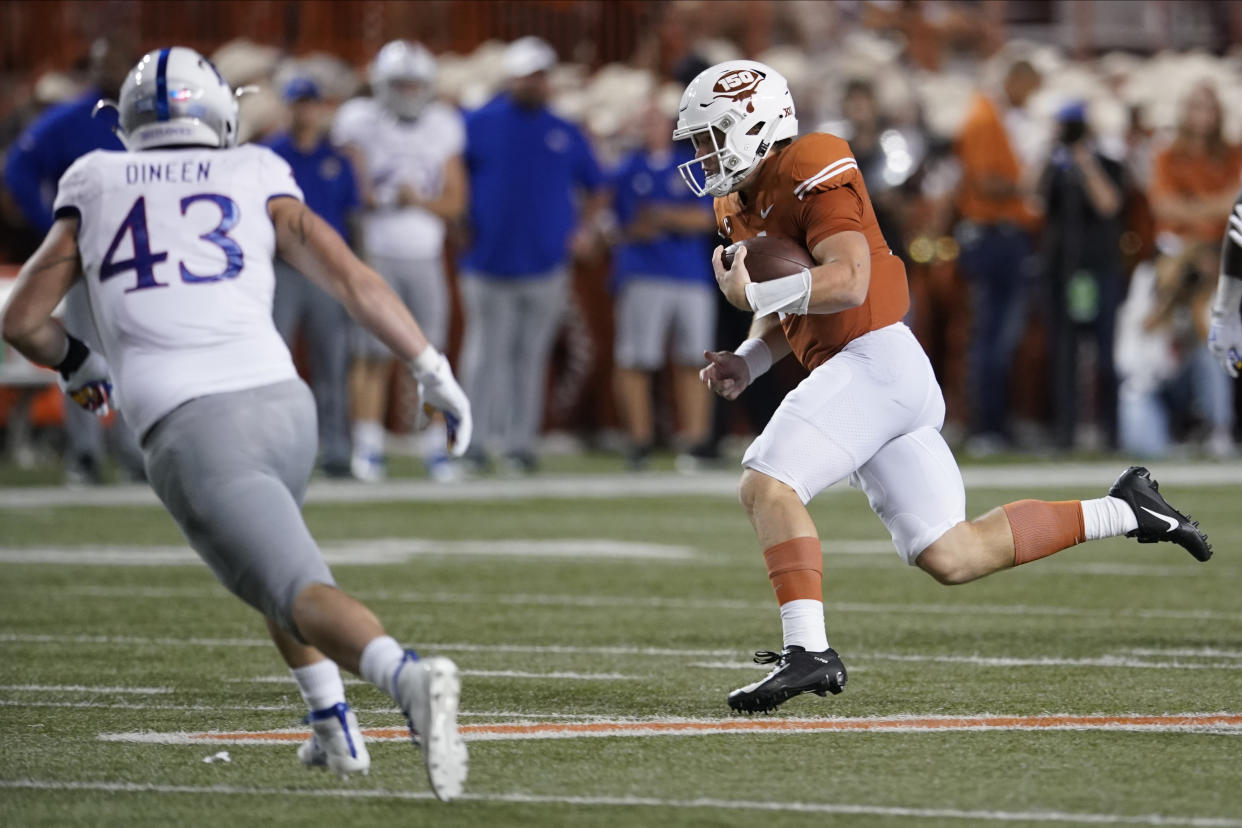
x=871, y=409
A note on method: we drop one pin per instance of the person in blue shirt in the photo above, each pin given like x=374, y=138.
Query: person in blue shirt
x=327, y=180
x=665, y=290
x=32, y=171
x=527, y=167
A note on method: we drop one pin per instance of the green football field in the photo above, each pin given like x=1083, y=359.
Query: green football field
x=599, y=626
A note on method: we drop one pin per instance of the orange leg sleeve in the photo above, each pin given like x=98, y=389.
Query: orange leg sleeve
x=1041, y=527
x=796, y=569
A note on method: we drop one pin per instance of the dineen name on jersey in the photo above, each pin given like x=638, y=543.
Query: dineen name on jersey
x=185, y=172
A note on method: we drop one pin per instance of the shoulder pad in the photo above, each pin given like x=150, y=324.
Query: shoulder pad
x=819, y=162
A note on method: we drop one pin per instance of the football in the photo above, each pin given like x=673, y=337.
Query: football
x=770, y=257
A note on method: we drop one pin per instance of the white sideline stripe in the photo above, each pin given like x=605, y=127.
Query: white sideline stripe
x=83, y=688
x=1186, y=652
x=372, y=552
x=292, y=709
x=522, y=674
x=705, y=803
x=633, y=650
x=296, y=710
x=1002, y=661
x=524, y=599
x=654, y=485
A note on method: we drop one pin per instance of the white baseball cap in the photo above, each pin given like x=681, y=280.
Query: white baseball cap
x=528, y=55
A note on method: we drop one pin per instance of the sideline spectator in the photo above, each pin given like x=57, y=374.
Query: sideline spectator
x=664, y=287
x=1082, y=272
x=408, y=148
x=32, y=173
x=1195, y=179
x=526, y=165
x=993, y=235
x=1167, y=373
x=327, y=180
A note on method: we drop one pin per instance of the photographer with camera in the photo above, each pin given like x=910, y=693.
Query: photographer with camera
x=1081, y=273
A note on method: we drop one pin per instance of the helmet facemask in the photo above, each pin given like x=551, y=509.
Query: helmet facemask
x=720, y=170
x=406, y=98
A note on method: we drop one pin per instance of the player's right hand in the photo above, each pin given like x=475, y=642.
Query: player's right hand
x=90, y=386
x=726, y=373
x=1225, y=340
x=438, y=390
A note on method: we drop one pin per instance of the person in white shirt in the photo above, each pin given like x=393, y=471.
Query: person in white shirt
x=407, y=147
x=174, y=241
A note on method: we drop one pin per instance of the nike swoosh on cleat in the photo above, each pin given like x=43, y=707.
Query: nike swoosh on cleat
x=764, y=213
x=1171, y=521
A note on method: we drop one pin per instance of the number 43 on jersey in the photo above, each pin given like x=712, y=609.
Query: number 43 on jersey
x=144, y=260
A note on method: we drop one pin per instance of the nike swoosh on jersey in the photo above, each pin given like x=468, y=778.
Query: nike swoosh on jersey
x=764, y=212
x=1171, y=521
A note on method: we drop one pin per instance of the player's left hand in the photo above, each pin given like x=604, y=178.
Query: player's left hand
x=90, y=386
x=1225, y=340
x=732, y=282
x=438, y=390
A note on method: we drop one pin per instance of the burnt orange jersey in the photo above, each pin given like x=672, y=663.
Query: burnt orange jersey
x=809, y=191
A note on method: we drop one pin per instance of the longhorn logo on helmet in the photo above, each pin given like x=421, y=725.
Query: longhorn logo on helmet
x=738, y=84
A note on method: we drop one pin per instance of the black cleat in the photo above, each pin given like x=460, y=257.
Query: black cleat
x=796, y=672
x=1157, y=520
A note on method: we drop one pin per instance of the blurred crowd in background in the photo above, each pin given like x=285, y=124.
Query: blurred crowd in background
x=1059, y=201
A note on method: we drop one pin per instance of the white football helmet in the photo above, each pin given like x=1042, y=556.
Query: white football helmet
x=402, y=62
x=733, y=113
x=175, y=97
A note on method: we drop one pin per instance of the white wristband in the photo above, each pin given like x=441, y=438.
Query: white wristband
x=788, y=294
x=1228, y=295
x=757, y=355
x=425, y=362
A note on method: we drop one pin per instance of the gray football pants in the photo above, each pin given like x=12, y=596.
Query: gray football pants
x=232, y=469
x=511, y=325
x=300, y=302
x=84, y=432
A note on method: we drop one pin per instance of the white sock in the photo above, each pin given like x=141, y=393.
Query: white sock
x=368, y=437
x=379, y=661
x=803, y=624
x=1107, y=517
x=434, y=441
x=320, y=684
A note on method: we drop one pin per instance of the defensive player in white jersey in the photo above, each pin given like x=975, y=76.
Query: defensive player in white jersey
x=407, y=147
x=175, y=241
x=1225, y=335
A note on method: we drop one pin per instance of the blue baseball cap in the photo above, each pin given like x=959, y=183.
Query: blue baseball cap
x=1072, y=111
x=302, y=89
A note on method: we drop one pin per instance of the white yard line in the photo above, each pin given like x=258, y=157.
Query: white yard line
x=519, y=674
x=371, y=552
x=645, y=601
x=1185, y=652
x=656, y=485
x=654, y=652
x=705, y=803
x=1118, y=662
x=83, y=688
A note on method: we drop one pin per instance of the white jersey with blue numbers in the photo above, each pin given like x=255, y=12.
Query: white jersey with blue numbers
x=177, y=249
